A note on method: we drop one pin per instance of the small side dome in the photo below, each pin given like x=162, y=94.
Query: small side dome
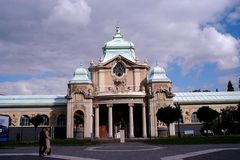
x=158, y=74
x=158, y=70
x=80, y=76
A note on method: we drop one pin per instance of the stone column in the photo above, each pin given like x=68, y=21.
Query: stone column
x=96, y=121
x=144, y=125
x=69, y=120
x=131, y=126
x=110, y=121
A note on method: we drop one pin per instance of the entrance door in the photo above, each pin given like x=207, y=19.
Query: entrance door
x=103, y=121
x=137, y=118
x=79, y=124
x=120, y=119
x=103, y=131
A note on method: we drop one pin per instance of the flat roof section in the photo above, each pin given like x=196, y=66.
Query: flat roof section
x=32, y=100
x=206, y=97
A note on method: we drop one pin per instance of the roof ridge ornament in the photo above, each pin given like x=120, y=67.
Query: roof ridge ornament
x=118, y=33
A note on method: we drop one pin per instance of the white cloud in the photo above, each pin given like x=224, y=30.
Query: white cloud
x=234, y=16
x=53, y=85
x=70, y=12
x=211, y=46
x=184, y=32
x=56, y=36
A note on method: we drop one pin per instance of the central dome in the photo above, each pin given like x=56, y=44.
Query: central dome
x=118, y=46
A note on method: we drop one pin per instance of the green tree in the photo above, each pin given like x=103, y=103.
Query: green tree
x=230, y=86
x=168, y=115
x=206, y=115
x=227, y=118
x=36, y=121
x=230, y=119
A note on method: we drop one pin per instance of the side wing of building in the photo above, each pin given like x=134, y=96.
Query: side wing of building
x=21, y=108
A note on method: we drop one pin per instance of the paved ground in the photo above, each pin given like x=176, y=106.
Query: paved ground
x=128, y=151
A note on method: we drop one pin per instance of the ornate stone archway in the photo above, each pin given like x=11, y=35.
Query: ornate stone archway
x=78, y=124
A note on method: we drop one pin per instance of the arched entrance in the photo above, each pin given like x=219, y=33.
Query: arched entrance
x=79, y=124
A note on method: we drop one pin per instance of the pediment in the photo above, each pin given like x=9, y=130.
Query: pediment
x=118, y=58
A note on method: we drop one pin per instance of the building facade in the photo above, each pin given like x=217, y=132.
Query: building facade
x=118, y=92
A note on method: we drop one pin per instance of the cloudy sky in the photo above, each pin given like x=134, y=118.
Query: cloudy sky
x=43, y=42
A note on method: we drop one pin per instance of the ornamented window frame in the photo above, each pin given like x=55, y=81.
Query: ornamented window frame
x=119, y=64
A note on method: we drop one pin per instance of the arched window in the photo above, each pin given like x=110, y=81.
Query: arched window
x=194, y=118
x=24, y=120
x=61, y=120
x=45, y=120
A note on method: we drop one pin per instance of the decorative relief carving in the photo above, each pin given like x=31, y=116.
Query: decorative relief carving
x=96, y=90
x=14, y=120
x=78, y=97
x=120, y=85
x=165, y=91
x=79, y=107
x=187, y=117
x=87, y=94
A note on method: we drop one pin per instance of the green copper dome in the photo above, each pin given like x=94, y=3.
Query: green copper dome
x=118, y=46
x=80, y=76
x=158, y=74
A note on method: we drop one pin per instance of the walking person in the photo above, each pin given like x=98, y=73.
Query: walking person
x=48, y=142
x=42, y=142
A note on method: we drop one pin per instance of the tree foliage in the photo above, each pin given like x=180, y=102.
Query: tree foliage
x=230, y=86
x=168, y=115
x=36, y=120
x=230, y=119
x=206, y=114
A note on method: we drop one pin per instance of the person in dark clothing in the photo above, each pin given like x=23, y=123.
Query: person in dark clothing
x=42, y=143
